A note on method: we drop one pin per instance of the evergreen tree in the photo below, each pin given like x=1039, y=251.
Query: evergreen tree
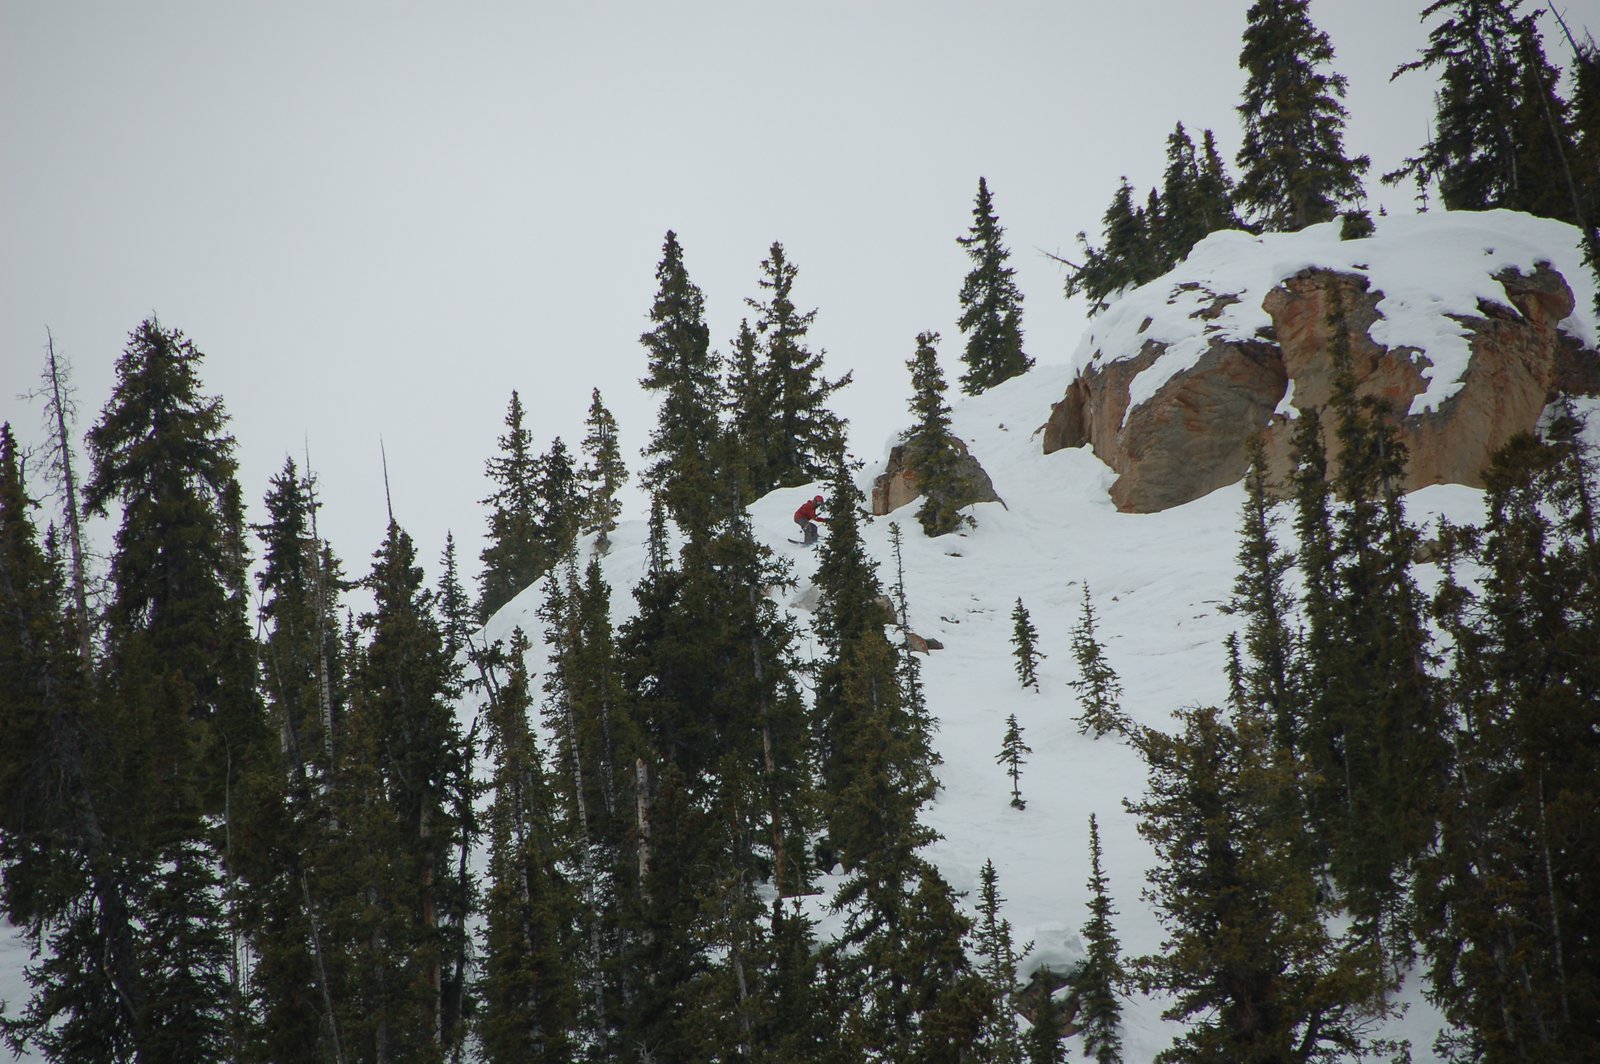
x=751, y=407
x=1011, y=755
x=802, y=436
x=530, y=996
x=1101, y=975
x=1269, y=681
x=1504, y=899
x=181, y=669
x=603, y=473
x=1130, y=254
x=1293, y=169
x=935, y=451
x=911, y=992
x=1372, y=728
x=997, y=962
x=65, y=888
x=1099, y=690
x=991, y=303
x=512, y=557
x=1044, y=1040
x=683, y=371
x=1023, y=639
x=281, y=802
x=1248, y=957
x=1493, y=142
x=455, y=611
x=1196, y=197
x=407, y=763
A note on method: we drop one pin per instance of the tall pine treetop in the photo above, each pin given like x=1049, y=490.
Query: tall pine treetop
x=991, y=303
x=1294, y=171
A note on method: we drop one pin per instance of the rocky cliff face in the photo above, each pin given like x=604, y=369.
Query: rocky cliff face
x=1174, y=433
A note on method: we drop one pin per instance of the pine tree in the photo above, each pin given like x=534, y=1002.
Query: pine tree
x=1491, y=143
x=1269, y=682
x=603, y=473
x=1044, y=1041
x=1196, y=197
x=802, y=436
x=511, y=558
x=530, y=996
x=1372, y=728
x=910, y=990
x=1248, y=958
x=935, y=451
x=750, y=407
x=1101, y=976
x=991, y=303
x=1130, y=254
x=64, y=887
x=683, y=371
x=1501, y=899
x=1023, y=639
x=1011, y=755
x=1099, y=690
x=409, y=759
x=1293, y=169
x=997, y=962
x=181, y=669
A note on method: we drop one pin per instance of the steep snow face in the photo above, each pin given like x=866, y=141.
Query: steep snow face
x=1428, y=267
x=1158, y=583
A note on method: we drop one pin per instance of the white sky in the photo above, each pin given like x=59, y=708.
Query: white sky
x=377, y=219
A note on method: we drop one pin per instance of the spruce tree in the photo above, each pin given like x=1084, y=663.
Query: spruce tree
x=1248, y=958
x=181, y=668
x=1196, y=197
x=65, y=887
x=1023, y=646
x=802, y=436
x=935, y=451
x=1130, y=253
x=603, y=473
x=511, y=557
x=1501, y=900
x=1293, y=168
x=530, y=996
x=1500, y=135
x=408, y=763
x=1101, y=976
x=991, y=303
x=1099, y=690
x=1270, y=680
x=1044, y=1041
x=682, y=370
x=1012, y=755
x=997, y=962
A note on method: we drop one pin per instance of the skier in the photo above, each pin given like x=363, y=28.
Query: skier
x=806, y=518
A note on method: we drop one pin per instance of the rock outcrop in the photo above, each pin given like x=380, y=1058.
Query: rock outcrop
x=1188, y=437
x=898, y=484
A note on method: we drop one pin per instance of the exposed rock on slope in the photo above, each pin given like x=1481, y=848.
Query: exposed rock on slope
x=1466, y=323
x=898, y=485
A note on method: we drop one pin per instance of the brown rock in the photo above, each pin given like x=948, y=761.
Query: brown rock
x=897, y=484
x=1189, y=439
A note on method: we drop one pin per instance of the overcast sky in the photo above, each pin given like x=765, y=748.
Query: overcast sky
x=377, y=219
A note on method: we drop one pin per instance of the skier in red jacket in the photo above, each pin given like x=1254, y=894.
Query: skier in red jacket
x=806, y=518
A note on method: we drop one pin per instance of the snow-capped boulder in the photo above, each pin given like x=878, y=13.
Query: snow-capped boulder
x=1466, y=323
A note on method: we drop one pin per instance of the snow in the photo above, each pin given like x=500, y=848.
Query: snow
x=1158, y=582
x=1428, y=267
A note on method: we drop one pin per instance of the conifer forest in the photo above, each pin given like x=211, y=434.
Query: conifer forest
x=269, y=798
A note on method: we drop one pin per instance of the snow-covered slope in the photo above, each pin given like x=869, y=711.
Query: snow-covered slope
x=1157, y=580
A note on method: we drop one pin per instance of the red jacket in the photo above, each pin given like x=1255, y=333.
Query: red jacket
x=807, y=511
